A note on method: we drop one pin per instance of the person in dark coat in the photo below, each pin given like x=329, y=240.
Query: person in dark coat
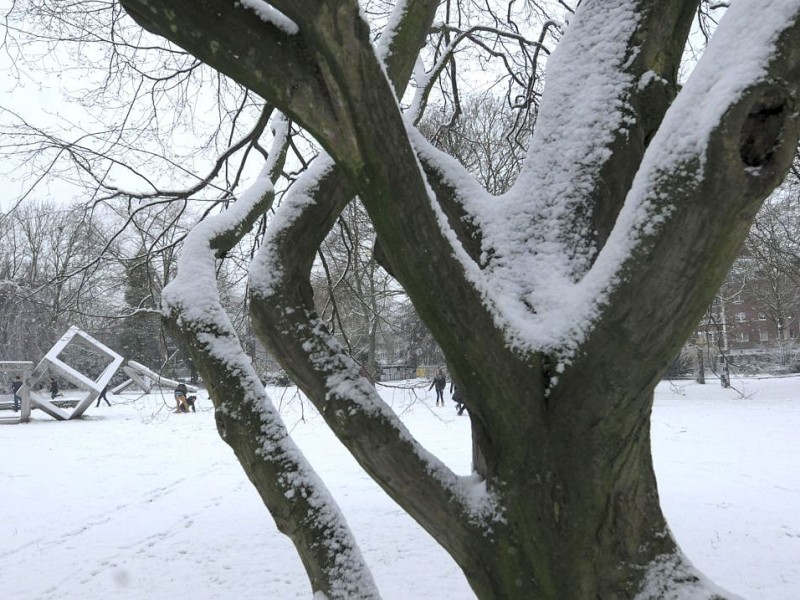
x=15, y=385
x=53, y=388
x=456, y=395
x=439, y=382
x=102, y=396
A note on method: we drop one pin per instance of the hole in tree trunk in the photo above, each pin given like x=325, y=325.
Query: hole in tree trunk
x=762, y=129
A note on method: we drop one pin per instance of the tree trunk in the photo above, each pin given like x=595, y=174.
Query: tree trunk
x=701, y=369
x=582, y=519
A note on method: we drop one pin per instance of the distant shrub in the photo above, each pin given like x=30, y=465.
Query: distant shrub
x=681, y=366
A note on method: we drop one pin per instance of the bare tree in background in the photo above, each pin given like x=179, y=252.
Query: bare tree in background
x=353, y=294
x=557, y=305
x=771, y=264
x=486, y=138
x=50, y=276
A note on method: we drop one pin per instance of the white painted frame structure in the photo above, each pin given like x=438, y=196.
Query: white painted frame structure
x=51, y=363
x=146, y=379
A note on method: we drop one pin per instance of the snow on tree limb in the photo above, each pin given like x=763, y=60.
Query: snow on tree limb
x=271, y=15
x=283, y=315
x=725, y=143
x=543, y=294
x=539, y=238
x=703, y=145
x=288, y=484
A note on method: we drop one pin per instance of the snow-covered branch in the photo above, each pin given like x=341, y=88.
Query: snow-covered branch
x=727, y=140
x=284, y=317
x=287, y=483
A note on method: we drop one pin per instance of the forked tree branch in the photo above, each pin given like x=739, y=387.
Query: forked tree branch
x=692, y=203
x=594, y=124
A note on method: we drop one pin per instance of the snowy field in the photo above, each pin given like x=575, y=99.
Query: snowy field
x=136, y=502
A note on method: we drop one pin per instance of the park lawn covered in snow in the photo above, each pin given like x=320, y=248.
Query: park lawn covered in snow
x=134, y=501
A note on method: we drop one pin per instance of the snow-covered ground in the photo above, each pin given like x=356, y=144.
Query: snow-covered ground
x=136, y=502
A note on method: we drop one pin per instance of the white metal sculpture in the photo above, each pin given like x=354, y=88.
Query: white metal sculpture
x=146, y=379
x=51, y=363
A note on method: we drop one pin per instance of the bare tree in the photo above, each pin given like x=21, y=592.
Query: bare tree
x=416, y=344
x=772, y=249
x=52, y=277
x=489, y=140
x=353, y=294
x=763, y=278
x=769, y=268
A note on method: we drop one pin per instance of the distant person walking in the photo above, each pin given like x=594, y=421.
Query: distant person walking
x=53, y=388
x=15, y=385
x=456, y=395
x=439, y=382
x=102, y=396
